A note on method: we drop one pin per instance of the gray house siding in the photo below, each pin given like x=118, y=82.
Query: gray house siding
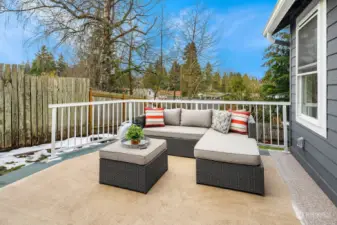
x=319, y=156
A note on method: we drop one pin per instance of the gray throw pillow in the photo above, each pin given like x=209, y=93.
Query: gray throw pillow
x=196, y=118
x=221, y=121
x=172, y=117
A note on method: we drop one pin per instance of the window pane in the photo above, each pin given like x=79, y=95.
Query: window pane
x=309, y=95
x=307, y=47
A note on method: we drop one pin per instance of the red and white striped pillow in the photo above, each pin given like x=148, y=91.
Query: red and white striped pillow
x=154, y=117
x=239, y=122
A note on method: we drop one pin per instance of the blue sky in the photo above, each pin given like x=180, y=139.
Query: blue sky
x=239, y=23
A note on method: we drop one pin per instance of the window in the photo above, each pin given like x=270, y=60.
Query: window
x=311, y=70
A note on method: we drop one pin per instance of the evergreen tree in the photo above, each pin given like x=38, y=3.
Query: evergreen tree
x=174, y=78
x=27, y=68
x=276, y=79
x=44, y=63
x=191, y=75
x=216, y=81
x=155, y=77
x=208, y=76
x=61, y=65
x=224, y=83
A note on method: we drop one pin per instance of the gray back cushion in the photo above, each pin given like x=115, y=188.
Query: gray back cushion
x=196, y=118
x=172, y=117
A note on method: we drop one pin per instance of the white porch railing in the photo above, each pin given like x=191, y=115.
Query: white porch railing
x=78, y=124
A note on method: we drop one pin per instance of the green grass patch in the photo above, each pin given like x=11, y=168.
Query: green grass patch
x=4, y=170
x=12, y=162
x=264, y=147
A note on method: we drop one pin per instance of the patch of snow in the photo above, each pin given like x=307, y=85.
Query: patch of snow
x=33, y=153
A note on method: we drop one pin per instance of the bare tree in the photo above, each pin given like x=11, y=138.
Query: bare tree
x=195, y=27
x=73, y=21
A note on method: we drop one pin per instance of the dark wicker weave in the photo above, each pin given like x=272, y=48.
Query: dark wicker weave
x=132, y=176
x=232, y=176
x=179, y=147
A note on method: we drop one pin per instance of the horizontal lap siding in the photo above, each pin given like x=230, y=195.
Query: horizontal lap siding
x=319, y=156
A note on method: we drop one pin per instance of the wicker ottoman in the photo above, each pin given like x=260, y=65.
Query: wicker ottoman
x=229, y=161
x=133, y=169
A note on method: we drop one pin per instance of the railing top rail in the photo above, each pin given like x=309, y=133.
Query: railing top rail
x=169, y=101
x=214, y=102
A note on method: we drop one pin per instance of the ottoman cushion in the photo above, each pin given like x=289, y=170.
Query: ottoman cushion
x=116, y=152
x=230, y=148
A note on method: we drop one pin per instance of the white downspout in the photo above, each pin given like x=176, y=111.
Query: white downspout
x=270, y=38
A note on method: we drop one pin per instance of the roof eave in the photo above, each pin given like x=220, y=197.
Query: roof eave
x=280, y=10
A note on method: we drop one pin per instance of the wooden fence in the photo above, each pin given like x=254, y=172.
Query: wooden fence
x=25, y=118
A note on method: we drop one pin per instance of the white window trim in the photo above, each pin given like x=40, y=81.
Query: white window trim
x=317, y=125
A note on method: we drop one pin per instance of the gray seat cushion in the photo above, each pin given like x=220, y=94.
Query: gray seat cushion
x=187, y=133
x=229, y=148
x=116, y=152
x=172, y=117
x=196, y=118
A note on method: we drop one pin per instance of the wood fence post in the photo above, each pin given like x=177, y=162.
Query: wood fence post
x=123, y=113
x=90, y=111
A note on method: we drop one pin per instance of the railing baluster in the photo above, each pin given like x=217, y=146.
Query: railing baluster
x=75, y=125
x=278, y=126
x=126, y=113
x=257, y=122
x=53, y=132
x=93, y=121
x=108, y=120
x=61, y=131
x=270, y=126
x=81, y=123
x=285, y=128
x=87, y=126
x=113, y=119
x=130, y=112
x=263, y=127
x=98, y=120
x=103, y=121
x=68, y=131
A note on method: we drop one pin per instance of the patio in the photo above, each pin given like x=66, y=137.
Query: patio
x=69, y=193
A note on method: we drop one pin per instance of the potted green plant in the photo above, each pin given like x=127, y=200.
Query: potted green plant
x=134, y=134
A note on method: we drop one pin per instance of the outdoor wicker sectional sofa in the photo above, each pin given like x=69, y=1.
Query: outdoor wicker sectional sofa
x=223, y=160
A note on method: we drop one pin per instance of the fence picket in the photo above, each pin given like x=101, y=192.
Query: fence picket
x=7, y=106
x=15, y=106
x=28, y=127
x=33, y=94
x=39, y=109
x=21, y=101
x=2, y=117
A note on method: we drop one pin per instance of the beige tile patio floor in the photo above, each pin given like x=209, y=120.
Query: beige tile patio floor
x=69, y=193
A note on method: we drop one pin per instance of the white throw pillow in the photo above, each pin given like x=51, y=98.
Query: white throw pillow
x=221, y=121
x=123, y=129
